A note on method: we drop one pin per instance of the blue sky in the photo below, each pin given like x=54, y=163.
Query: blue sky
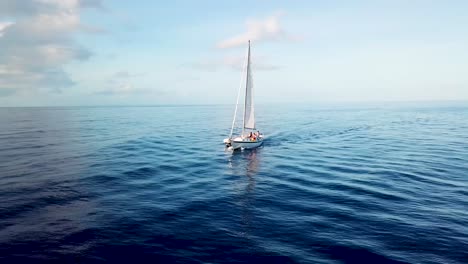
x=92, y=52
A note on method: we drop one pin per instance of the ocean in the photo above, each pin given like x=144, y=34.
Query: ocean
x=331, y=184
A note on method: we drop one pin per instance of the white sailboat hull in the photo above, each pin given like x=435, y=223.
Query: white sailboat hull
x=246, y=144
x=239, y=143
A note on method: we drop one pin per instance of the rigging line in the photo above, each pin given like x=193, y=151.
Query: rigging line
x=238, y=96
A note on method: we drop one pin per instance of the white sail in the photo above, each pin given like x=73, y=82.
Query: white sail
x=249, y=111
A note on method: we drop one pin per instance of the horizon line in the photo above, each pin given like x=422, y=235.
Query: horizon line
x=259, y=103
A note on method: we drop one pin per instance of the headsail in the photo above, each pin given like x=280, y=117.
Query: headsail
x=249, y=113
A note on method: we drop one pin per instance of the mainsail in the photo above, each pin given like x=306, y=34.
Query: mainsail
x=249, y=116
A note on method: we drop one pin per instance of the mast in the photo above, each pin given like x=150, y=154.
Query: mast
x=246, y=87
x=237, y=100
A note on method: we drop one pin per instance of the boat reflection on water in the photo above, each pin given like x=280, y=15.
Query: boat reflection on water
x=245, y=165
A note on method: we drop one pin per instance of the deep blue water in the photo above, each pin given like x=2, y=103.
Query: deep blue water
x=380, y=184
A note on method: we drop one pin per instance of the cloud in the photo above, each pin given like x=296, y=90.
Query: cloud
x=259, y=63
x=125, y=75
x=93, y=29
x=97, y=4
x=126, y=88
x=268, y=29
x=37, y=42
x=18, y=8
x=121, y=89
x=121, y=83
x=4, y=26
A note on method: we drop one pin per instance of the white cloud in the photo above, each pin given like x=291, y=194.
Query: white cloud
x=268, y=29
x=97, y=4
x=120, y=88
x=126, y=75
x=121, y=83
x=123, y=88
x=259, y=63
x=39, y=42
x=4, y=26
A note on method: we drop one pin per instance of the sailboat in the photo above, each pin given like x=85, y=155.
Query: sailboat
x=250, y=137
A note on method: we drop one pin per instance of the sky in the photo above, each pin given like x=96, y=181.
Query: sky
x=98, y=52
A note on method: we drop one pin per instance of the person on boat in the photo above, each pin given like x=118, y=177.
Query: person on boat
x=250, y=137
